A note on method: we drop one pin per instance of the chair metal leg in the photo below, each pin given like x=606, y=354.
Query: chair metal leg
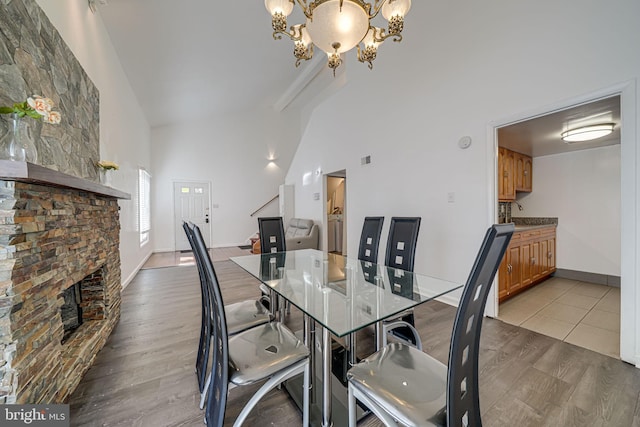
x=352, y=407
x=271, y=383
x=374, y=407
x=305, y=397
x=326, y=378
x=203, y=395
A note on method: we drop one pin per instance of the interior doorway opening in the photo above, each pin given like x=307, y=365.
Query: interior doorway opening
x=567, y=284
x=336, y=197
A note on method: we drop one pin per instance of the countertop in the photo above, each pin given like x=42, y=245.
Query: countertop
x=533, y=227
x=530, y=223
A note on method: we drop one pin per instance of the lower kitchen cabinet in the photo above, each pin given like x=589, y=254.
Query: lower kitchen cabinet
x=529, y=259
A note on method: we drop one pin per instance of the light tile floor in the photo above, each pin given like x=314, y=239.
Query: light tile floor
x=580, y=313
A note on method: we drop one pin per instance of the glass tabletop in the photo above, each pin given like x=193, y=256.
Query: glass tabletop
x=342, y=294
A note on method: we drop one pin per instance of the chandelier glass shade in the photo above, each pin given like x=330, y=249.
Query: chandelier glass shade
x=337, y=26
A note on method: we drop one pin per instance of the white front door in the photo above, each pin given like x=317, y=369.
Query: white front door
x=191, y=203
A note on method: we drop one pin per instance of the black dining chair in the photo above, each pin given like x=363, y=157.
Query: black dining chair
x=368, y=256
x=272, y=240
x=269, y=352
x=370, y=239
x=401, y=383
x=240, y=316
x=401, y=255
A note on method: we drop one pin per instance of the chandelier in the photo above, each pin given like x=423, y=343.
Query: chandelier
x=337, y=26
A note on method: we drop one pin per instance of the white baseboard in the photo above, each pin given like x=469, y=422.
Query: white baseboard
x=128, y=280
x=161, y=250
x=227, y=245
x=449, y=299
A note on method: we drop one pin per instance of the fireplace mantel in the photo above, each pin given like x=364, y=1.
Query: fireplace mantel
x=35, y=174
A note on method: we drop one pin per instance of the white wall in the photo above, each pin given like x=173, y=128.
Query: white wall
x=459, y=68
x=463, y=67
x=582, y=189
x=232, y=152
x=124, y=131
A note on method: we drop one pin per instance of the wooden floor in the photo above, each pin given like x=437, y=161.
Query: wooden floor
x=144, y=376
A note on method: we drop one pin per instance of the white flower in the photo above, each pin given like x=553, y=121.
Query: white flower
x=53, y=117
x=41, y=105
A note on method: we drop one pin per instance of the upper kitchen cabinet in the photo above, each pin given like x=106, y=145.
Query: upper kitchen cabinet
x=523, y=172
x=515, y=173
x=506, y=175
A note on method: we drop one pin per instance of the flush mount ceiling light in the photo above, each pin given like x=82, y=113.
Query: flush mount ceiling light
x=337, y=26
x=587, y=133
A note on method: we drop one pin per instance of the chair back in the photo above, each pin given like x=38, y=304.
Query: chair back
x=202, y=358
x=219, y=385
x=370, y=238
x=463, y=404
x=271, y=235
x=401, y=243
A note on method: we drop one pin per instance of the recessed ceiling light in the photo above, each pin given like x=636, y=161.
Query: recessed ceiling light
x=587, y=133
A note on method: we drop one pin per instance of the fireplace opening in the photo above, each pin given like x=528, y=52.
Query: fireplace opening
x=71, y=311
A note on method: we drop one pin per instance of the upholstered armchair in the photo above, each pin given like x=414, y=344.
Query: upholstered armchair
x=301, y=234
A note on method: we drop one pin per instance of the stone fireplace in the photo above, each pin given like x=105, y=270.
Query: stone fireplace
x=79, y=300
x=71, y=311
x=56, y=232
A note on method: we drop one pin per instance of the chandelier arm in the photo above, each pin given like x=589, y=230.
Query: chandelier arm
x=306, y=57
x=295, y=34
x=382, y=35
x=307, y=8
x=361, y=58
x=376, y=8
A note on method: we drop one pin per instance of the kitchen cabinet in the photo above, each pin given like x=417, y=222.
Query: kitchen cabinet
x=529, y=259
x=509, y=277
x=523, y=172
x=506, y=175
x=515, y=173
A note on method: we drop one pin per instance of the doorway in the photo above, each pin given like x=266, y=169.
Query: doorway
x=191, y=204
x=578, y=186
x=336, y=190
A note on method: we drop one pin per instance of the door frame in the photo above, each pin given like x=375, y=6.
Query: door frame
x=342, y=173
x=173, y=208
x=630, y=205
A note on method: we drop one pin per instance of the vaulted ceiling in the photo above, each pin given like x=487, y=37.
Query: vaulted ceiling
x=200, y=58
x=197, y=58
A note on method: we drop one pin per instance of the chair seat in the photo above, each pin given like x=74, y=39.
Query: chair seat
x=260, y=352
x=409, y=384
x=245, y=315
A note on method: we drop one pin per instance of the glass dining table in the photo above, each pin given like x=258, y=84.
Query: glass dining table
x=341, y=295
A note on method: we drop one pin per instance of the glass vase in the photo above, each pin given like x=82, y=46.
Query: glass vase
x=18, y=144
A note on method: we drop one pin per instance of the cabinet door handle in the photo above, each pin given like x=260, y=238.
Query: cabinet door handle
x=509, y=268
x=550, y=255
x=533, y=261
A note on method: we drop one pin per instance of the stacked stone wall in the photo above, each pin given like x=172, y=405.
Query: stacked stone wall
x=51, y=238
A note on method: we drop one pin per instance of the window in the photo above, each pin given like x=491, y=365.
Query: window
x=144, y=205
